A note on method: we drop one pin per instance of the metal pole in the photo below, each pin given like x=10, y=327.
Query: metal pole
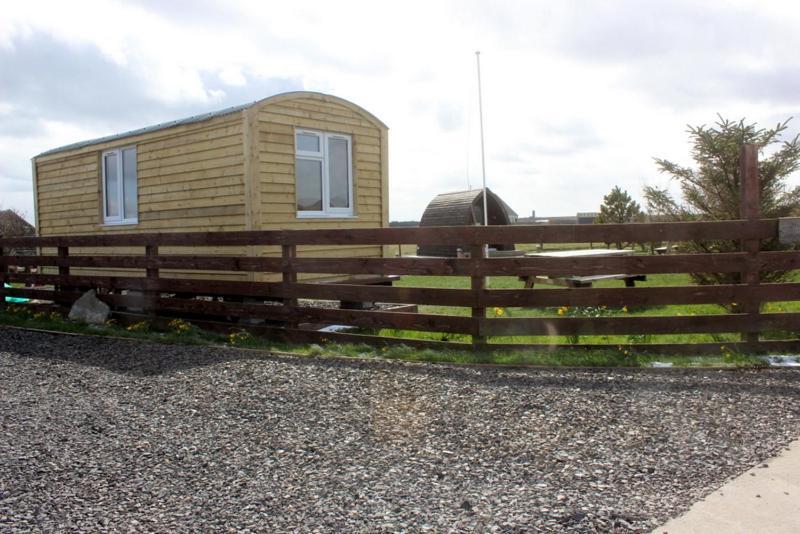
x=483, y=156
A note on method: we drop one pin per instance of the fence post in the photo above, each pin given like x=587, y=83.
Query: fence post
x=478, y=253
x=750, y=210
x=4, y=269
x=63, y=270
x=151, y=293
x=288, y=253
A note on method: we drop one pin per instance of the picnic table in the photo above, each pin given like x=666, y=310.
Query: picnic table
x=581, y=281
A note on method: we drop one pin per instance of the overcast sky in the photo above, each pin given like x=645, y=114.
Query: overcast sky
x=578, y=96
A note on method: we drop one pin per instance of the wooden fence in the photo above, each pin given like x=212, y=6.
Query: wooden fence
x=157, y=294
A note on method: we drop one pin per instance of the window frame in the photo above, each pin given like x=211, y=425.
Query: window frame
x=323, y=156
x=119, y=219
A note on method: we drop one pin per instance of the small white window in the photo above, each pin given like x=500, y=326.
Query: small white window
x=324, y=174
x=119, y=186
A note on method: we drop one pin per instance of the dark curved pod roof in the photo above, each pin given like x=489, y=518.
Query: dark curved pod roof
x=464, y=208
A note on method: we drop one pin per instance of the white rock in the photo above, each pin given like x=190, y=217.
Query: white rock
x=89, y=309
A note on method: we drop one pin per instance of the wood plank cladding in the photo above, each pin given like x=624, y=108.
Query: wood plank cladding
x=277, y=124
x=170, y=195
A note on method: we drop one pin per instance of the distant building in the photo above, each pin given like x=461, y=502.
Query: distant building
x=582, y=217
x=587, y=217
x=13, y=225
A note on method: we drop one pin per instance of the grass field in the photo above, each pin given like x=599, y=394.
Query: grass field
x=507, y=282
x=182, y=332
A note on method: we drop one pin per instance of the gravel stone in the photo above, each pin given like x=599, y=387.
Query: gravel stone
x=107, y=435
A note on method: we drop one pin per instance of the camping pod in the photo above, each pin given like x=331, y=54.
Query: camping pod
x=464, y=208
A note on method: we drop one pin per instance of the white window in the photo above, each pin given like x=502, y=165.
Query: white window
x=323, y=174
x=119, y=186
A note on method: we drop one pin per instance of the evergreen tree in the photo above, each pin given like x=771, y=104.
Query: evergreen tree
x=619, y=207
x=711, y=191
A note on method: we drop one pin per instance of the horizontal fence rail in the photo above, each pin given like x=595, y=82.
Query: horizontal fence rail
x=566, y=233
x=155, y=284
x=731, y=262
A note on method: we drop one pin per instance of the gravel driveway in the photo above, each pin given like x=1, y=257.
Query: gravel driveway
x=102, y=434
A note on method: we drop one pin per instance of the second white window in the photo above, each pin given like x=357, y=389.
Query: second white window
x=323, y=174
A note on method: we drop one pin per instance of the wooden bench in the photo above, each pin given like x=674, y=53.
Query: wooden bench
x=581, y=281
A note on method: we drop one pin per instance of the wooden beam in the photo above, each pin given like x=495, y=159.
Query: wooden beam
x=750, y=191
x=385, y=188
x=358, y=318
x=252, y=183
x=741, y=229
x=478, y=287
x=560, y=326
x=152, y=273
x=35, y=178
x=640, y=296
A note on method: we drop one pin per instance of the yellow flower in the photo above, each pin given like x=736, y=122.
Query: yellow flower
x=562, y=311
x=239, y=337
x=180, y=326
x=139, y=327
x=624, y=309
x=499, y=312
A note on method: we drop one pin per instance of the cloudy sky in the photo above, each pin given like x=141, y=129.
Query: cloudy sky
x=579, y=96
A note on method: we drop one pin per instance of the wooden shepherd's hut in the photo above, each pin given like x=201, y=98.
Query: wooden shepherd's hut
x=464, y=208
x=297, y=160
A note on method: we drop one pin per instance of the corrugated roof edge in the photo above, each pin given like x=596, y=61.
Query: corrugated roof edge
x=211, y=115
x=148, y=129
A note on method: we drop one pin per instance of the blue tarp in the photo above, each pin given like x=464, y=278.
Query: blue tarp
x=13, y=299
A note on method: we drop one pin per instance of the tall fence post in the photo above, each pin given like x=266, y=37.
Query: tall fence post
x=288, y=253
x=478, y=286
x=750, y=208
x=151, y=294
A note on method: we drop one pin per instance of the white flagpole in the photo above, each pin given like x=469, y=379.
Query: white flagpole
x=483, y=156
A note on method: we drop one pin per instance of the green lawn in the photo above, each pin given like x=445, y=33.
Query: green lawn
x=616, y=354
x=508, y=282
x=184, y=333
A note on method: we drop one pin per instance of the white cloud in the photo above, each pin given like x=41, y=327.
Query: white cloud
x=578, y=96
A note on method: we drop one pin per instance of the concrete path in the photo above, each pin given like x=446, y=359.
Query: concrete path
x=764, y=499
